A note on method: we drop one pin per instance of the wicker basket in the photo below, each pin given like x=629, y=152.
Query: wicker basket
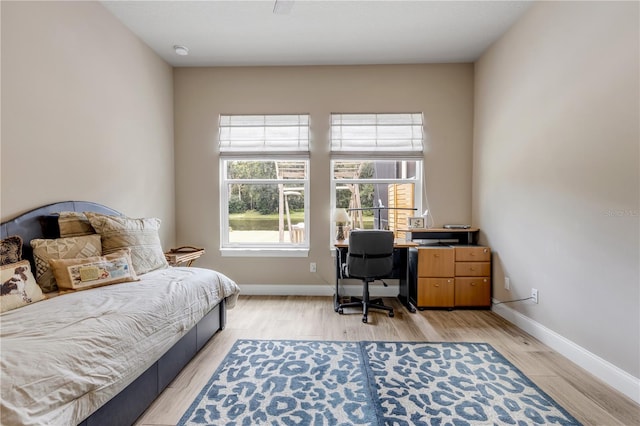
x=184, y=254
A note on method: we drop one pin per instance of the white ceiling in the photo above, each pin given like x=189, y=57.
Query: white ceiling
x=248, y=33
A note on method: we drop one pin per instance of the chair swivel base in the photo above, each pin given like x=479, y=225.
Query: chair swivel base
x=366, y=305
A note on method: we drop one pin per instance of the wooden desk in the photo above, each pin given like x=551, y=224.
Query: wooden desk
x=401, y=247
x=467, y=236
x=446, y=282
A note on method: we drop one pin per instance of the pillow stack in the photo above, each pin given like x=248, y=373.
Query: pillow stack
x=93, y=250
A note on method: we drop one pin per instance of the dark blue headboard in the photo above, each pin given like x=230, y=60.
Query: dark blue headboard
x=42, y=222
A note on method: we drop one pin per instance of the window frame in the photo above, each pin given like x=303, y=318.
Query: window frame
x=255, y=249
x=410, y=140
x=264, y=152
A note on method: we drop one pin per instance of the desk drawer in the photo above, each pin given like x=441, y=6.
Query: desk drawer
x=473, y=254
x=473, y=269
x=435, y=292
x=436, y=262
x=473, y=292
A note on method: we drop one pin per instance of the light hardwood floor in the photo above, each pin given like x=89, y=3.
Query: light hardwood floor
x=298, y=317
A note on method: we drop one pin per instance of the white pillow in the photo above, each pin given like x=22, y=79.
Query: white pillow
x=140, y=235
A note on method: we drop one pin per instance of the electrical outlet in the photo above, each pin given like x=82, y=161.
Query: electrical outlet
x=313, y=267
x=507, y=283
x=534, y=295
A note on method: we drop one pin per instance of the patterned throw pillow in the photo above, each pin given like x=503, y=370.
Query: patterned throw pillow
x=82, y=274
x=19, y=287
x=10, y=250
x=61, y=248
x=74, y=224
x=140, y=235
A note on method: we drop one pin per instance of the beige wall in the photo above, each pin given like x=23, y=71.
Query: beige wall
x=87, y=113
x=556, y=171
x=443, y=92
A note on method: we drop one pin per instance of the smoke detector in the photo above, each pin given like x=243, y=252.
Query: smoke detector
x=181, y=50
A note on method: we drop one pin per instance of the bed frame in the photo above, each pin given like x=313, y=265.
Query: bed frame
x=125, y=407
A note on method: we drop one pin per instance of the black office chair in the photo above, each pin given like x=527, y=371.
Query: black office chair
x=370, y=257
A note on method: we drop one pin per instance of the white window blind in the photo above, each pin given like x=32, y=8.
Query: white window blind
x=264, y=134
x=377, y=135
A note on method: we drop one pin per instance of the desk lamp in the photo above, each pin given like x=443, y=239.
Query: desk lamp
x=341, y=218
x=425, y=215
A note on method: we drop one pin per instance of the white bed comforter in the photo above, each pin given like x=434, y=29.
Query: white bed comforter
x=64, y=357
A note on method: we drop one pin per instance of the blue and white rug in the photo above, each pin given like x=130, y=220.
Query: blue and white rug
x=290, y=382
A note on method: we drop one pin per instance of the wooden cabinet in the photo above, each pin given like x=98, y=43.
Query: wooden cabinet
x=472, y=276
x=453, y=276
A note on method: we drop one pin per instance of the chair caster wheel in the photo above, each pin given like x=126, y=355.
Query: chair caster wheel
x=391, y=314
x=364, y=319
x=340, y=311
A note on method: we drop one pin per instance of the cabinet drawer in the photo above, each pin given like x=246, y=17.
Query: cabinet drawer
x=473, y=269
x=435, y=292
x=436, y=262
x=473, y=254
x=472, y=292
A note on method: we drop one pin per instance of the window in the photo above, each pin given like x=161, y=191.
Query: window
x=264, y=165
x=376, y=169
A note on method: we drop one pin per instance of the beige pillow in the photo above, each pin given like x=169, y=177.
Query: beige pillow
x=74, y=224
x=98, y=271
x=140, y=235
x=19, y=287
x=61, y=248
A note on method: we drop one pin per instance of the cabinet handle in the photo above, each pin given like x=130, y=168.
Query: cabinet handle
x=473, y=284
x=436, y=255
x=436, y=285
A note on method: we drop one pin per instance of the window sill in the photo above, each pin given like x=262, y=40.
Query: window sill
x=264, y=252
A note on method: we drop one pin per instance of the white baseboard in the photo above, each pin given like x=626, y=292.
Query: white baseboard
x=315, y=290
x=601, y=368
x=286, y=290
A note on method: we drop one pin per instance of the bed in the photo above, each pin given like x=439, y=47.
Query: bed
x=102, y=355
